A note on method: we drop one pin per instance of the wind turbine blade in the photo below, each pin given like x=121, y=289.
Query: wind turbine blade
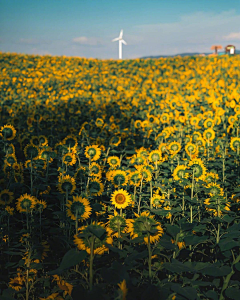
x=123, y=42
x=116, y=39
x=121, y=34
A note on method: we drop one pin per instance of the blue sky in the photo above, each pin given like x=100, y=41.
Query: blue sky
x=85, y=28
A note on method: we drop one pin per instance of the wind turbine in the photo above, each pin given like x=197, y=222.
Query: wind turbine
x=121, y=41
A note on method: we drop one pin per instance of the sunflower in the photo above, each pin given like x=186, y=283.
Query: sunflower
x=143, y=226
x=79, y=207
x=179, y=173
x=191, y=149
x=231, y=120
x=95, y=170
x=119, y=177
x=174, y=148
x=157, y=200
x=214, y=189
x=208, y=123
x=17, y=282
x=145, y=173
x=116, y=224
x=10, y=149
x=47, y=153
x=70, y=141
x=8, y=132
x=164, y=118
x=142, y=152
x=194, y=121
x=80, y=173
x=155, y=156
x=43, y=141
x=209, y=134
x=162, y=147
x=113, y=161
x=31, y=151
x=25, y=203
x=138, y=124
x=134, y=178
x=84, y=243
x=123, y=289
x=196, y=135
x=69, y=159
x=96, y=187
x=40, y=205
x=120, y=198
x=93, y=152
x=9, y=210
x=182, y=119
x=115, y=141
x=10, y=159
x=66, y=184
x=211, y=177
x=198, y=168
x=6, y=197
x=138, y=160
x=235, y=143
x=99, y=122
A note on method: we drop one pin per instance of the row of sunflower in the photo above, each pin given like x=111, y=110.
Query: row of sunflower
x=119, y=179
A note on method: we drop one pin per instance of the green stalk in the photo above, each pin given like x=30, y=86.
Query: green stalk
x=149, y=257
x=151, y=194
x=228, y=277
x=140, y=197
x=91, y=263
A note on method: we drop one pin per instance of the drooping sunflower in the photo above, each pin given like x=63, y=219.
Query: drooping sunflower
x=40, y=205
x=143, y=225
x=93, y=152
x=66, y=184
x=158, y=200
x=209, y=134
x=69, y=159
x=119, y=178
x=231, y=120
x=99, y=122
x=164, y=118
x=120, y=198
x=84, y=243
x=138, y=160
x=10, y=149
x=179, y=172
x=8, y=132
x=95, y=170
x=10, y=159
x=43, y=141
x=155, y=156
x=95, y=187
x=191, y=149
x=208, y=123
x=116, y=225
x=142, y=152
x=145, y=173
x=214, y=189
x=138, y=124
x=198, y=168
x=163, y=147
x=196, y=135
x=80, y=173
x=174, y=147
x=25, y=203
x=31, y=151
x=194, y=121
x=6, y=197
x=235, y=143
x=47, y=153
x=78, y=208
x=211, y=177
x=113, y=161
x=70, y=141
x=115, y=141
x=134, y=178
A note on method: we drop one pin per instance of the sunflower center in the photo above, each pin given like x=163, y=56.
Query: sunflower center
x=119, y=179
x=68, y=158
x=92, y=152
x=174, y=147
x=67, y=186
x=120, y=198
x=78, y=208
x=155, y=157
x=113, y=161
x=26, y=203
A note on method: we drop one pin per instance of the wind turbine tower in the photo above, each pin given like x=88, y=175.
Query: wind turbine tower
x=121, y=41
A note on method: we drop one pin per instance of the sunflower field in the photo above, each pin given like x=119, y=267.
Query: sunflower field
x=120, y=180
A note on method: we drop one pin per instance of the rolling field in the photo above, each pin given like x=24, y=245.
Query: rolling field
x=120, y=180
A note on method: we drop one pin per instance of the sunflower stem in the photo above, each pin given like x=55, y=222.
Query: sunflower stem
x=149, y=257
x=140, y=197
x=91, y=263
x=151, y=194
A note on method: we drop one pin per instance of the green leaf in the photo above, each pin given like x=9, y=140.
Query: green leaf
x=212, y=295
x=173, y=230
x=215, y=271
x=70, y=259
x=187, y=292
x=237, y=265
x=227, y=244
x=98, y=232
x=233, y=293
x=194, y=240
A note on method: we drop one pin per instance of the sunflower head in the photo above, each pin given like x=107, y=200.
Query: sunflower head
x=116, y=224
x=93, y=152
x=180, y=172
x=25, y=203
x=120, y=198
x=95, y=187
x=79, y=208
x=113, y=161
x=66, y=184
x=119, y=178
x=6, y=197
x=235, y=144
x=8, y=132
